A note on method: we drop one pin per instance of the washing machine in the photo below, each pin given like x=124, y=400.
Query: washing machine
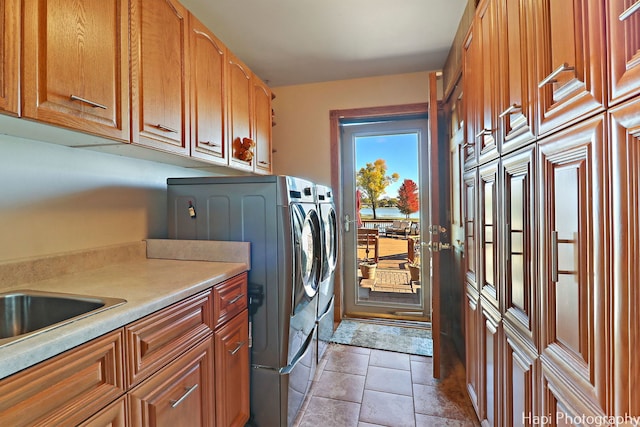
x=329, y=250
x=278, y=215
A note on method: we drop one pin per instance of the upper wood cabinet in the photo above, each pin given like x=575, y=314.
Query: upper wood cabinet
x=623, y=27
x=160, y=75
x=9, y=53
x=262, y=116
x=516, y=104
x=239, y=93
x=473, y=98
x=76, y=64
x=570, y=61
x=208, y=101
x=470, y=217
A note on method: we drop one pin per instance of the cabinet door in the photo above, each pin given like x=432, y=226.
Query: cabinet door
x=469, y=213
x=159, y=75
x=625, y=231
x=76, y=68
x=520, y=381
x=472, y=97
x=9, y=62
x=262, y=125
x=570, y=71
x=208, y=120
x=519, y=222
x=114, y=415
x=232, y=372
x=491, y=335
x=572, y=246
x=489, y=233
x=486, y=133
x=66, y=389
x=623, y=19
x=181, y=394
x=239, y=116
x=516, y=109
x=472, y=347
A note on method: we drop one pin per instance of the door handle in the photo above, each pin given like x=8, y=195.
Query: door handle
x=347, y=221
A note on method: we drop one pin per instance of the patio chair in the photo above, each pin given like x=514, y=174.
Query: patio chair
x=367, y=239
x=399, y=228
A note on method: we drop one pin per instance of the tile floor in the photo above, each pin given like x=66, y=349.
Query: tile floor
x=360, y=387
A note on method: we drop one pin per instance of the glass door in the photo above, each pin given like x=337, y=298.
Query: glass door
x=383, y=173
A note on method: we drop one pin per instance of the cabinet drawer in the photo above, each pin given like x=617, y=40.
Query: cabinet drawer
x=229, y=299
x=159, y=338
x=66, y=389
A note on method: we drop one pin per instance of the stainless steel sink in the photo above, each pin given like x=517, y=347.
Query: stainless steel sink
x=26, y=312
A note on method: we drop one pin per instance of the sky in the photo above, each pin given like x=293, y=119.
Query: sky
x=400, y=152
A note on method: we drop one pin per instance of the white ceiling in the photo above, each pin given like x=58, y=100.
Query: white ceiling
x=288, y=42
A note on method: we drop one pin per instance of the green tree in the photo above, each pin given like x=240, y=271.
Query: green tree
x=408, y=201
x=372, y=181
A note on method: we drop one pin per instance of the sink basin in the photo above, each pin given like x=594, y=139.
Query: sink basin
x=26, y=312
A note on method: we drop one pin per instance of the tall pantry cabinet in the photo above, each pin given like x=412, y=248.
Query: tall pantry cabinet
x=551, y=220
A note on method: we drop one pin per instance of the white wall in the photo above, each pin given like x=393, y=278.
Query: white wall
x=57, y=199
x=301, y=134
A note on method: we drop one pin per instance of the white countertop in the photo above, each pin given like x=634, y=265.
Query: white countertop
x=146, y=284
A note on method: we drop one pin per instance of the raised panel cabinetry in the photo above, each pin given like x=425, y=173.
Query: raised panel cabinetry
x=239, y=116
x=9, y=54
x=489, y=233
x=623, y=42
x=76, y=64
x=160, y=75
x=262, y=116
x=570, y=54
x=208, y=100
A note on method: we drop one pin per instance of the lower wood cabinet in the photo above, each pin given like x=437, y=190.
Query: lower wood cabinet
x=174, y=376
x=180, y=394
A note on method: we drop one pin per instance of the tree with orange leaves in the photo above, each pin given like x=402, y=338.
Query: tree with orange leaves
x=408, y=200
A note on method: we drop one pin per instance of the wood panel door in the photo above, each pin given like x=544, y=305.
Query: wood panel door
x=516, y=106
x=491, y=365
x=625, y=229
x=570, y=50
x=262, y=119
x=470, y=216
x=239, y=114
x=180, y=394
x=520, y=381
x=160, y=75
x=232, y=372
x=208, y=100
x=489, y=234
x=473, y=349
x=572, y=245
x=623, y=43
x=519, y=237
x=9, y=56
x=76, y=65
x=485, y=28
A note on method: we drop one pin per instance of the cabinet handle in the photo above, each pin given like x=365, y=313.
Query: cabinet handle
x=554, y=256
x=262, y=162
x=213, y=144
x=188, y=391
x=86, y=101
x=632, y=9
x=551, y=78
x=165, y=128
x=483, y=132
x=236, y=299
x=237, y=349
x=512, y=109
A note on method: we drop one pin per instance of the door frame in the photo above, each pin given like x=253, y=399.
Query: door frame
x=336, y=179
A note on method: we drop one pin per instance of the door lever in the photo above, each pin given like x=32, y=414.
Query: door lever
x=347, y=222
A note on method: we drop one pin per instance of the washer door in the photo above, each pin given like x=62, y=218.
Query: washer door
x=307, y=255
x=329, y=240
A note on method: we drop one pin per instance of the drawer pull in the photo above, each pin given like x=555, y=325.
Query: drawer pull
x=237, y=349
x=262, y=162
x=165, y=128
x=86, y=101
x=236, y=299
x=632, y=9
x=212, y=144
x=512, y=109
x=188, y=391
x=551, y=78
x=483, y=132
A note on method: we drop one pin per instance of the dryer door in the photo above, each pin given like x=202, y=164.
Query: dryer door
x=307, y=253
x=329, y=240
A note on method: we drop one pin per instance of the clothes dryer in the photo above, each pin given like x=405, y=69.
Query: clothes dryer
x=329, y=238
x=278, y=216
